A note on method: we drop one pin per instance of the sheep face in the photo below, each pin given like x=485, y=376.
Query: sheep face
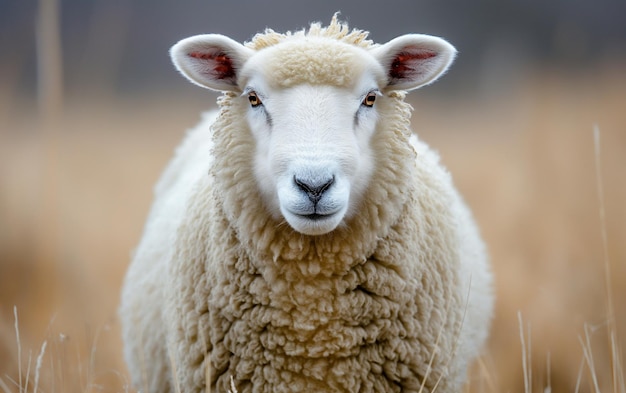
x=313, y=159
x=311, y=109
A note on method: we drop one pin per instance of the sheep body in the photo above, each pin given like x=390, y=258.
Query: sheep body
x=396, y=297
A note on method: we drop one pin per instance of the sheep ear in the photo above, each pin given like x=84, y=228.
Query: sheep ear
x=414, y=60
x=210, y=60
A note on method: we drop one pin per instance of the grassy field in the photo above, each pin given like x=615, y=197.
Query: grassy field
x=75, y=190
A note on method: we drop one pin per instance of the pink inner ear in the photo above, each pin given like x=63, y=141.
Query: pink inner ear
x=407, y=63
x=219, y=64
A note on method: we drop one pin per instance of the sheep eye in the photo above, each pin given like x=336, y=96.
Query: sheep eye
x=369, y=99
x=254, y=99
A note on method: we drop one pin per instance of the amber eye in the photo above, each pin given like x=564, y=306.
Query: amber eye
x=254, y=99
x=369, y=99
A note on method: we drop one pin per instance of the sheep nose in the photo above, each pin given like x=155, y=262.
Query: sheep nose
x=314, y=188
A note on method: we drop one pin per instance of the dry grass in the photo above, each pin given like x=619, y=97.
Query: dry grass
x=533, y=188
x=524, y=159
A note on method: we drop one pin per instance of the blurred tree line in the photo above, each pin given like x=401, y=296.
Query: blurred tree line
x=121, y=45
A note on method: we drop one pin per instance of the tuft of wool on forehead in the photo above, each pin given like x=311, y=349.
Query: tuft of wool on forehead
x=336, y=30
x=329, y=55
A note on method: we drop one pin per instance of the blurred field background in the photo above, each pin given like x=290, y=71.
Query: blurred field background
x=91, y=110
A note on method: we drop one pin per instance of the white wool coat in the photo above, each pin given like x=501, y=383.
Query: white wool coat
x=397, y=299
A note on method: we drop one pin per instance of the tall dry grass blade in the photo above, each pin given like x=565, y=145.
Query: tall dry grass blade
x=14, y=382
x=4, y=386
x=430, y=364
x=616, y=361
x=548, y=388
x=588, y=354
x=618, y=374
x=602, y=213
x=92, y=360
x=19, y=348
x=580, y=375
x=530, y=356
x=27, y=378
x=454, y=345
x=525, y=359
x=38, y=366
x=79, y=374
x=61, y=360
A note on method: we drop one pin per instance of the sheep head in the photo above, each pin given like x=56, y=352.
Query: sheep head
x=312, y=106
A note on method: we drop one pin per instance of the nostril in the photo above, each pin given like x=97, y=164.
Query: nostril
x=314, y=188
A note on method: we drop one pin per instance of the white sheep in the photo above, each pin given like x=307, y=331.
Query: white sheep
x=304, y=240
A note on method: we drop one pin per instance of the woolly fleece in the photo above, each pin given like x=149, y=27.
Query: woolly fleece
x=219, y=289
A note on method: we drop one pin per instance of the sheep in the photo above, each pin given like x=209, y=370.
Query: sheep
x=303, y=239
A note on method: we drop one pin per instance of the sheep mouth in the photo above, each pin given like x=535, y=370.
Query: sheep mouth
x=314, y=223
x=314, y=213
x=315, y=216
x=314, y=220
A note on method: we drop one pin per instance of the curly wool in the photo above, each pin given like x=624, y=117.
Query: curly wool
x=316, y=62
x=360, y=309
x=337, y=31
